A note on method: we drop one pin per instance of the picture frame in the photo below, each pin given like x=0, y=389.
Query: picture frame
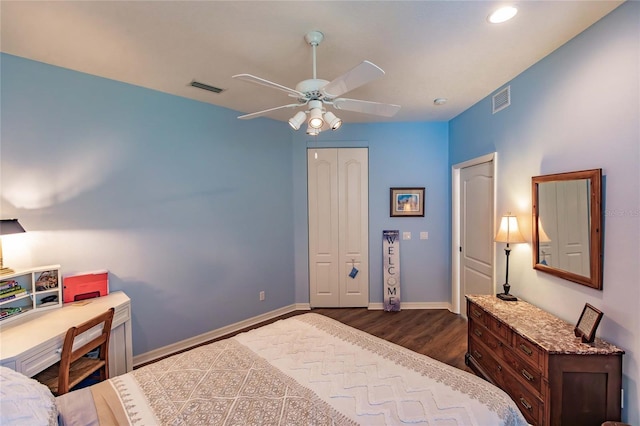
x=407, y=202
x=587, y=323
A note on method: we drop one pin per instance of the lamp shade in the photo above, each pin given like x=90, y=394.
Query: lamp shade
x=315, y=118
x=509, y=231
x=542, y=236
x=333, y=121
x=296, y=121
x=10, y=226
x=312, y=131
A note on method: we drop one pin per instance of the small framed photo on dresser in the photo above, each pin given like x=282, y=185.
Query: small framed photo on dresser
x=587, y=324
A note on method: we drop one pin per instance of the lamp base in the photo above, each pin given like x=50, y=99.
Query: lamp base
x=507, y=297
x=6, y=271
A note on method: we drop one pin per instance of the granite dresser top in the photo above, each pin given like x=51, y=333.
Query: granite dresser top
x=548, y=331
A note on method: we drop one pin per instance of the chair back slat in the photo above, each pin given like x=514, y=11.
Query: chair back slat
x=69, y=355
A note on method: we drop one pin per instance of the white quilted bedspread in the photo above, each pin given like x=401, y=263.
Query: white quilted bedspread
x=374, y=382
x=309, y=369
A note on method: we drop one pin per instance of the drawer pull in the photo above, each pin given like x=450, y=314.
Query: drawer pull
x=526, y=349
x=477, y=354
x=527, y=375
x=525, y=404
x=477, y=332
x=477, y=313
x=499, y=367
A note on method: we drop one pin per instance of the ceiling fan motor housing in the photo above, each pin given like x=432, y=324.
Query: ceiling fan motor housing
x=311, y=87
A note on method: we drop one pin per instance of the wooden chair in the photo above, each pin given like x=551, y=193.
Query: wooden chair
x=74, y=365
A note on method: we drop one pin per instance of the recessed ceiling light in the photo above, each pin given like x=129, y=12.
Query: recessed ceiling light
x=503, y=14
x=440, y=101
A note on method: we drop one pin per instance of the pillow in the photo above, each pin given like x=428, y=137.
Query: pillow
x=25, y=401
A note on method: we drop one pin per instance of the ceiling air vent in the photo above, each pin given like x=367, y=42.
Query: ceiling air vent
x=205, y=87
x=502, y=99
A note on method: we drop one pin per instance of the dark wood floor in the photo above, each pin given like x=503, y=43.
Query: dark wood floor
x=437, y=333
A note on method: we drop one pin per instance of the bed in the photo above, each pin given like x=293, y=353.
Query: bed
x=306, y=369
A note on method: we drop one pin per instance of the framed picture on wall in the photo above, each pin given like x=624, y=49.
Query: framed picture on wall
x=407, y=202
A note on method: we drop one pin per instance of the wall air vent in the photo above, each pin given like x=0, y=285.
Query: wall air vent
x=502, y=99
x=205, y=87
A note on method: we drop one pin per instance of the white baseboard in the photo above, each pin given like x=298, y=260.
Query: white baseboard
x=214, y=334
x=414, y=305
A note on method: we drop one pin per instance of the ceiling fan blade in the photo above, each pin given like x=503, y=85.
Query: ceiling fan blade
x=261, y=81
x=366, y=107
x=266, y=111
x=359, y=75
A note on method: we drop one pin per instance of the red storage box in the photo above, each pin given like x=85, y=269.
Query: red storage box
x=85, y=286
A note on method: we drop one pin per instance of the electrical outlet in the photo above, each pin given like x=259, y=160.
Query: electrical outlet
x=406, y=235
x=262, y=295
x=424, y=235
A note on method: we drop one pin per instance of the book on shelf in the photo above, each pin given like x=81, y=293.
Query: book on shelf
x=12, y=290
x=7, y=312
x=7, y=284
x=8, y=296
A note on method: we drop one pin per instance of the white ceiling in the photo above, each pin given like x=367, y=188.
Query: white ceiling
x=428, y=49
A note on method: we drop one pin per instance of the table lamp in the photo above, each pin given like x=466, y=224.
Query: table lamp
x=508, y=233
x=8, y=226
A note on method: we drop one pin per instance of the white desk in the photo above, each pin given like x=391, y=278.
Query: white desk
x=34, y=343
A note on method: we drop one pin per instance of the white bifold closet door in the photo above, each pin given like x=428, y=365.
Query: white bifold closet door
x=338, y=186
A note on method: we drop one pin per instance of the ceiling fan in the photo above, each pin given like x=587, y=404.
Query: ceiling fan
x=317, y=94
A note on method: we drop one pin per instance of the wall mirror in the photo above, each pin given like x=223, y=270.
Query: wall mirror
x=567, y=227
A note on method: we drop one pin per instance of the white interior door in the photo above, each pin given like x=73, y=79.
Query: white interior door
x=476, y=231
x=338, y=227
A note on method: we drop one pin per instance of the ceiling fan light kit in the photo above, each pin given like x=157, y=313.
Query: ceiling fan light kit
x=296, y=121
x=333, y=121
x=318, y=94
x=312, y=131
x=315, y=115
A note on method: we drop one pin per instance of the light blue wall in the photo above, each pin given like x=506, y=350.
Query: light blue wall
x=192, y=211
x=187, y=207
x=577, y=109
x=400, y=154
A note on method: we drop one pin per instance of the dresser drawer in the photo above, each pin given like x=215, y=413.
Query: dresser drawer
x=485, y=359
x=529, y=404
x=528, y=350
x=528, y=374
x=478, y=314
x=500, y=329
x=486, y=337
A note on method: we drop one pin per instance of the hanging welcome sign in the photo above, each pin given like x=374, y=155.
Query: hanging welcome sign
x=391, y=273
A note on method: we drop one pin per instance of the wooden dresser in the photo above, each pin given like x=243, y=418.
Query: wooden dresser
x=534, y=356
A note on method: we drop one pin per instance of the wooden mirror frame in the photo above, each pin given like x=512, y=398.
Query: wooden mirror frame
x=594, y=280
